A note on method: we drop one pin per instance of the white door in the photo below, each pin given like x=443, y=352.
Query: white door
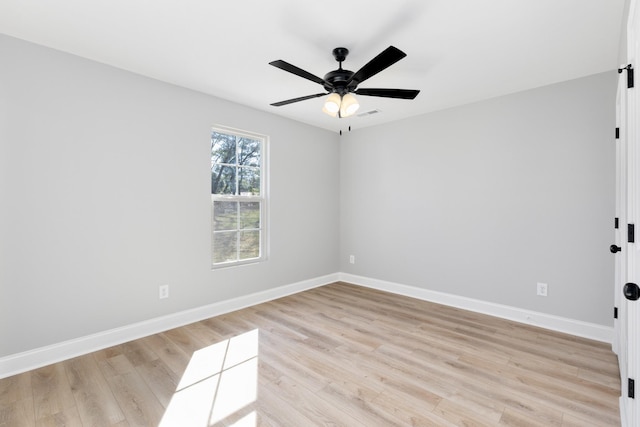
x=629, y=310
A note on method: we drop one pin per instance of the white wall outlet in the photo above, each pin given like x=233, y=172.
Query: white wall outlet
x=542, y=289
x=164, y=291
x=352, y=259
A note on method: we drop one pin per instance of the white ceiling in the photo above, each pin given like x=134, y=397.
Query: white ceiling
x=458, y=51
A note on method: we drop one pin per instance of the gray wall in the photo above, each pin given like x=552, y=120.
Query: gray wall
x=104, y=183
x=105, y=196
x=622, y=46
x=488, y=199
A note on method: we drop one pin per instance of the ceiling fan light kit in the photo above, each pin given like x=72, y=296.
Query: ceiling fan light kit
x=341, y=84
x=341, y=106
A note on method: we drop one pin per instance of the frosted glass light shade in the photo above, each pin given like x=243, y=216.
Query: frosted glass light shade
x=349, y=105
x=332, y=104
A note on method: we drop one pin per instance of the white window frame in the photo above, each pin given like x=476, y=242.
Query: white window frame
x=261, y=199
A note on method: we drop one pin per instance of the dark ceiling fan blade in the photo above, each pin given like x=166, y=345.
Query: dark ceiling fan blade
x=283, y=65
x=388, y=57
x=302, y=98
x=389, y=93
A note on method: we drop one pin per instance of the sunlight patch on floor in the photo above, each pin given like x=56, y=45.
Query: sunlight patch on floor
x=219, y=381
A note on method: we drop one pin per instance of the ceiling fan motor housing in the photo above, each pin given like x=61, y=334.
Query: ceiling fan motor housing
x=337, y=79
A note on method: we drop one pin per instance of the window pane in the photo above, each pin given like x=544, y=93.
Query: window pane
x=249, y=244
x=248, y=152
x=223, y=148
x=250, y=215
x=223, y=179
x=238, y=203
x=225, y=246
x=249, y=181
x=225, y=216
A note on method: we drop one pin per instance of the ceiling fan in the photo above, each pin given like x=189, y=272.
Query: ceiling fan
x=340, y=84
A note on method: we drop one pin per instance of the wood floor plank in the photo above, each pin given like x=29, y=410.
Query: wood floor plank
x=607, y=380
x=461, y=414
x=282, y=362
x=185, y=340
x=315, y=409
x=339, y=355
x=357, y=405
x=67, y=418
x=17, y=413
x=94, y=398
x=402, y=383
x=137, y=401
x=515, y=417
x=410, y=410
x=573, y=420
x=15, y=388
x=171, y=354
x=162, y=381
x=138, y=353
x=52, y=392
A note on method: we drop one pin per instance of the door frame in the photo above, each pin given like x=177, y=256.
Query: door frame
x=620, y=212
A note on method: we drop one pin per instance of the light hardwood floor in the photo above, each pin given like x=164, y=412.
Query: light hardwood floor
x=338, y=355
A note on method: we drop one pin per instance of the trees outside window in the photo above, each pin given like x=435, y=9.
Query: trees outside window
x=237, y=196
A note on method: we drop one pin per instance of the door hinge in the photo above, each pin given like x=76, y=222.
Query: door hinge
x=616, y=223
x=631, y=388
x=617, y=133
x=631, y=233
x=629, y=69
x=615, y=312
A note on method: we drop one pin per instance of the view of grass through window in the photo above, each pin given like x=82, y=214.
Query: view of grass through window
x=237, y=197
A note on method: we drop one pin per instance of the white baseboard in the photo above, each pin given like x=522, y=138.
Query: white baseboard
x=534, y=318
x=43, y=356
x=33, y=359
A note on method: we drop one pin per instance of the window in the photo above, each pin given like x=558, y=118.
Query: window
x=237, y=197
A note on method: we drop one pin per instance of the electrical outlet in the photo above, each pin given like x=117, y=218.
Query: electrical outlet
x=352, y=259
x=542, y=289
x=164, y=291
